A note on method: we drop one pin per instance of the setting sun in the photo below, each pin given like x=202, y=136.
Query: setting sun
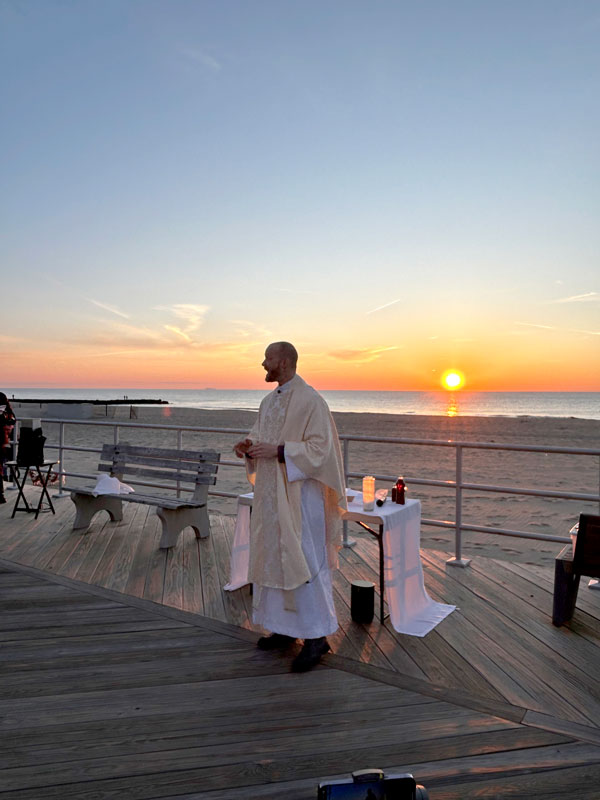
x=452, y=379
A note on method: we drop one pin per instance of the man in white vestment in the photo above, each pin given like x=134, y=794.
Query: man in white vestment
x=294, y=462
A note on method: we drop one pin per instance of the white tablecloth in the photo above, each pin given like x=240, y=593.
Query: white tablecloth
x=240, y=551
x=412, y=611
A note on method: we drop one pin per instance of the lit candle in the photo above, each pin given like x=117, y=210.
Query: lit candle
x=368, y=493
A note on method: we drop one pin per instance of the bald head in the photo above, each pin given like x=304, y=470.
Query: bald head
x=280, y=362
x=287, y=351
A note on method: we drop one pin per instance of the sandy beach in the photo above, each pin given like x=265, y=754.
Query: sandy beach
x=526, y=470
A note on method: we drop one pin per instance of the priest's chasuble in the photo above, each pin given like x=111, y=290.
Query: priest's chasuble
x=297, y=416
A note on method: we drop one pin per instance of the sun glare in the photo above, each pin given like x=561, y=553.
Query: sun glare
x=452, y=379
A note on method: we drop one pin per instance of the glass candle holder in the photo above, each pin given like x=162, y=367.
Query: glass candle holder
x=368, y=486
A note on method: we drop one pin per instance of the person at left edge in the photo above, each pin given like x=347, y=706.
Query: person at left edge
x=7, y=423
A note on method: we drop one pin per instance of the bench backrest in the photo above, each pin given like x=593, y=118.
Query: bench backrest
x=586, y=559
x=157, y=464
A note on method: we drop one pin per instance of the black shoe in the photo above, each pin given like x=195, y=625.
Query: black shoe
x=2, y=499
x=276, y=641
x=310, y=655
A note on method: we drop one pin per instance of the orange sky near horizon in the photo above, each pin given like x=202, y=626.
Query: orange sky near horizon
x=518, y=364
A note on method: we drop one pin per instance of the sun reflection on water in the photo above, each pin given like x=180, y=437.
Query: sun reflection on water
x=452, y=406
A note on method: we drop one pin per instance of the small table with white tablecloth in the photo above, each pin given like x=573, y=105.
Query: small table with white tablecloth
x=401, y=580
x=412, y=611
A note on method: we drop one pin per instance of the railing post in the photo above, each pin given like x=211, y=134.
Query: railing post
x=458, y=560
x=61, y=467
x=179, y=433
x=13, y=454
x=346, y=542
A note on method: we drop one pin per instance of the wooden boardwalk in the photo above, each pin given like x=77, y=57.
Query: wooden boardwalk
x=127, y=672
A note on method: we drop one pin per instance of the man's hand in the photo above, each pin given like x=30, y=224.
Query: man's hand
x=263, y=450
x=242, y=447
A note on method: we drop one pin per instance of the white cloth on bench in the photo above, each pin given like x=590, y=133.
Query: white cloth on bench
x=107, y=485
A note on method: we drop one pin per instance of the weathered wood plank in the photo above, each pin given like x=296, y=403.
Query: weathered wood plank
x=176, y=711
x=191, y=584
x=99, y=535
x=38, y=539
x=472, y=638
x=147, y=545
x=17, y=533
x=189, y=465
x=542, y=784
x=174, y=772
x=212, y=589
x=355, y=640
x=126, y=471
x=494, y=584
x=173, y=584
x=484, y=594
x=134, y=533
x=379, y=701
x=437, y=659
x=242, y=597
x=155, y=577
x=209, y=455
x=162, y=500
x=587, y=618
x=111, y=557
x=533, y=664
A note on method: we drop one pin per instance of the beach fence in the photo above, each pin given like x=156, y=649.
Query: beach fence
x=81, y=458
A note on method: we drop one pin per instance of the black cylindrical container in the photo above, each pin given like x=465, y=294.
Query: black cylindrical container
x=362, y=601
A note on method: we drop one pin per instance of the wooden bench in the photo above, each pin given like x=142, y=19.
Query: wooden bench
x=571, y=563
x=177, y=467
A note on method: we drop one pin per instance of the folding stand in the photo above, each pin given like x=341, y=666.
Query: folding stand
x=44, y=477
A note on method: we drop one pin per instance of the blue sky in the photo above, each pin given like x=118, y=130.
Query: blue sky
x=186, y=181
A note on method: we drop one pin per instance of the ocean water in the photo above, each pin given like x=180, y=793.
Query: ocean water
x=582, y=405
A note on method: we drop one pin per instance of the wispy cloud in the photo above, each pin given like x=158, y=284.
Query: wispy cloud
x=386, y=305
x=215, y=348
x=179, y=332
x=201, y=57
x=588, y=297
x=111, y=354
x=245, y=328
x=361, y=356
x=556, y=328
x=297, y=291
x=107, y=307
x=124, y=339
x=534, y=325
x=121, y=334
x=192, y=316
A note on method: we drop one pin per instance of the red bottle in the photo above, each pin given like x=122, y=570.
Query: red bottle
x=399, y=492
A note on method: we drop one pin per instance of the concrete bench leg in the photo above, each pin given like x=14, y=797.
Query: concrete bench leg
x=174, y=520
x=87, y=505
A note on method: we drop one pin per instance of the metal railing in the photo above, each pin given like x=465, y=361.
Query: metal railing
x=458, y=485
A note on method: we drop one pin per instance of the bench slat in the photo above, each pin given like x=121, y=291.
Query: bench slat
x=192, y=467
x=124, y=470
x=145, y=499
x=197, y=456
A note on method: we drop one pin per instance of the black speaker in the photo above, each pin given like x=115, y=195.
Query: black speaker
x=362, y=601
x=30, y=450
